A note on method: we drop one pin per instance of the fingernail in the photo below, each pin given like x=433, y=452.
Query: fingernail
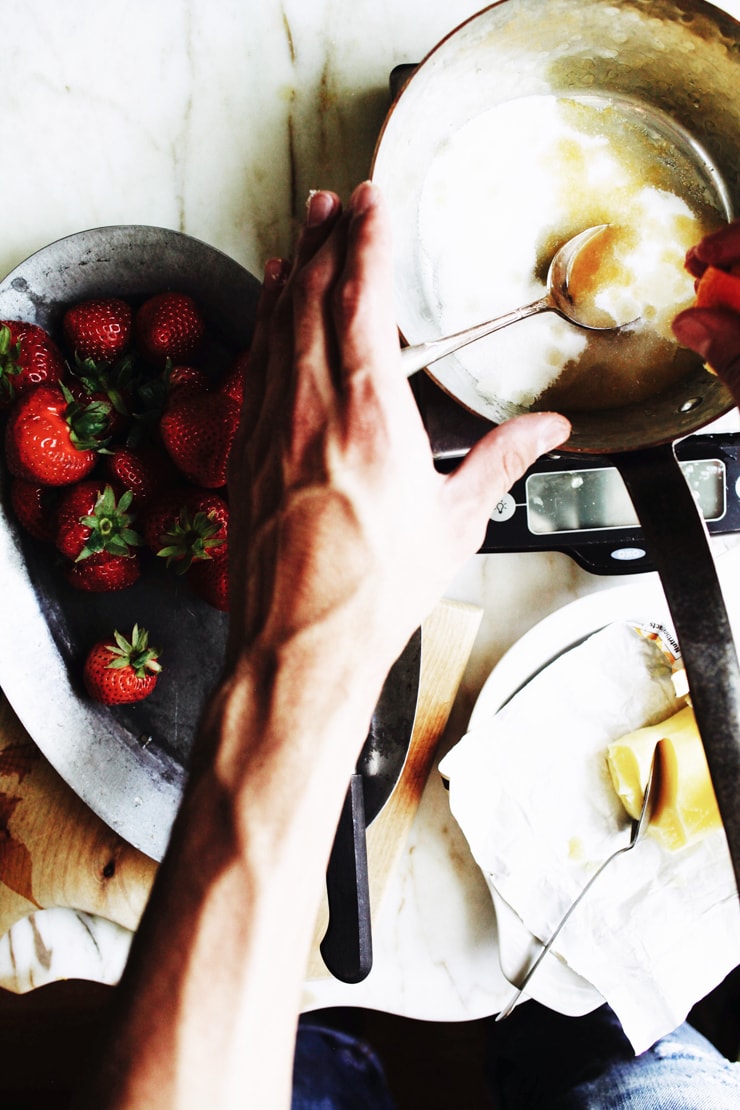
x=690, y=331
x=553, y=432
x=319, y=206
x=276, y=272
x=363, y=198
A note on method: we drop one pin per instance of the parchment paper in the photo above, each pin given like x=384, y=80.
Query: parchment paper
x=531, y=791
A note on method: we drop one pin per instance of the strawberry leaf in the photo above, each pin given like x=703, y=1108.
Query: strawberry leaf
x=134, y=653
x=191, y=539
x=88, y=422
x=10, y=353
x=110, y=526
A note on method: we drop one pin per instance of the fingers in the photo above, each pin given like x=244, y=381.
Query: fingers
x=275, y=277
x=721, y=249
x=256, y=404
x=311, y=287
x=319, y=262
x=498, y=460
x=363, y=301
x=715, y=335
x=341, y=287
x=323, y=211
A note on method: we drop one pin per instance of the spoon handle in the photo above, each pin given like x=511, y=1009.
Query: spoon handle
x=422, y=354
x=554, y=935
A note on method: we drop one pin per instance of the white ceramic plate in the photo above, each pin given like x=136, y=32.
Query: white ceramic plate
x=555, y=984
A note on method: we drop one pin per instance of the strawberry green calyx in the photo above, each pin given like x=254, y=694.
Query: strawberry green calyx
x=109, y=525
x=134, y=653
x=191, y=539
x=9, y=364
x=151, y=394
x=88, y=422
x=114, y=380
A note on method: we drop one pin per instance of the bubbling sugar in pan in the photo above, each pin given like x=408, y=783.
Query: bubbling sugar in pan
x=515, y=183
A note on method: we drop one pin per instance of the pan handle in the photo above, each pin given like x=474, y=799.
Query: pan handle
x=676, y=538
x=347, y=946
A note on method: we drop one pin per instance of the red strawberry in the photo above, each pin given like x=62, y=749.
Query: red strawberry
x=151, y=394
x=28, y=357
x=161, y=515
x=147, y=471
x=209, y=578
x=52, y=439
x=187, y=526
x=233, y=383
x=198, y=430
x=103, y=572
x=34, y=505
x=109, y=398
x=89, y=520
x=122, y=672
x=98, y=329
x=187, y=377
x=169, y=326
x=114, y=383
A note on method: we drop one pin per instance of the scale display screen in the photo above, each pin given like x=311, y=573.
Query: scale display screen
x=577, y=503
x=594, y=499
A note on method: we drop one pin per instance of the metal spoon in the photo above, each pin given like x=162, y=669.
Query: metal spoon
x=558, y=298
x=639, y=826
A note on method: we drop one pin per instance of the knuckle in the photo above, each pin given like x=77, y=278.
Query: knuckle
x=348, y=300
x=308, y=285
x=276, y=326
x=512, y=463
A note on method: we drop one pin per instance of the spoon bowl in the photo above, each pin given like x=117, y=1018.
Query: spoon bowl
x=577, y=308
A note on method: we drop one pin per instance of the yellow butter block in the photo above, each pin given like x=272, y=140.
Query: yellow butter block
x=687, y=807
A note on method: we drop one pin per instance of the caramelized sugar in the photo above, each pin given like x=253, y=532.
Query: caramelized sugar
x=511, y=187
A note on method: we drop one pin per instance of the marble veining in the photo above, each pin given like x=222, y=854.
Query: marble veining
x=217, y=118
x=213, y=119
x=55, y=944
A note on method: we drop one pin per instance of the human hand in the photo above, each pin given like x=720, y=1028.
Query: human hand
x=343, y=522
x=714, y=333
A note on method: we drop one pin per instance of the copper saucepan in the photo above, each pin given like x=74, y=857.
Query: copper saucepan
x=679, y=62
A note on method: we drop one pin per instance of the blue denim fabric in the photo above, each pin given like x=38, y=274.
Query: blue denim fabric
x=336, y=1071
x=538, y=1060
x=544, y=1061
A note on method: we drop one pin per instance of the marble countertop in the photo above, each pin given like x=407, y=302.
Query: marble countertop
x=217, y=120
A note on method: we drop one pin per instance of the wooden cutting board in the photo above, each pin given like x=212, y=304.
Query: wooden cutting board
x=447, y=640
x=54, y=851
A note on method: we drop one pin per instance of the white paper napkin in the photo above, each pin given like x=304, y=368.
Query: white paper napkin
x=531, y=791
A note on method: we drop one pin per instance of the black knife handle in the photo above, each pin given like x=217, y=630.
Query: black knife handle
x=347, y=947
x=676, y=537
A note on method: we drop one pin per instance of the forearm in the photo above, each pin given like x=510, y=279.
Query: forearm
x=233, y=910
x=344, y=535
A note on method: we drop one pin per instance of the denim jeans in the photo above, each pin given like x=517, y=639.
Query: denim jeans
x=337, y=1071
x=538, y=1060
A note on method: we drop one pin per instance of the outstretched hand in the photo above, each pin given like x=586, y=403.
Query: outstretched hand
x=342, y=537
x=714, y=333
x=348, y=519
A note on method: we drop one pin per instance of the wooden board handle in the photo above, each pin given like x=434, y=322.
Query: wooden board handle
x=54, y=851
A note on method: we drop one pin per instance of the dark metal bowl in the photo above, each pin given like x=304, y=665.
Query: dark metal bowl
x=128, y=764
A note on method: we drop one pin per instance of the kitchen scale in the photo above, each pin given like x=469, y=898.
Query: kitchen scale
x=578, y=504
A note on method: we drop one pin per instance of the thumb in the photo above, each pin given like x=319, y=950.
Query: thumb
x=498, y=460
x=714, y=334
